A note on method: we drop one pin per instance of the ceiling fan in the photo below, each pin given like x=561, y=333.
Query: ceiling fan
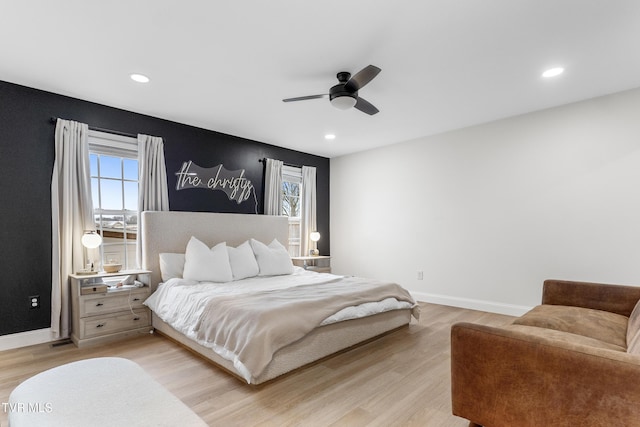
x=344, y=95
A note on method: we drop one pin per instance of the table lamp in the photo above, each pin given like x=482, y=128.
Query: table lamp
x=91, y=240
x=314, y=236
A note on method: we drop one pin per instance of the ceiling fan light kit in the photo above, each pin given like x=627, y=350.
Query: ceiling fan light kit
x=344, y=95
x=343, y=102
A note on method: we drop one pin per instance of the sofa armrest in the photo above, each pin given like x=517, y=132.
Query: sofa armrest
x=613, y=298
x=502, y=377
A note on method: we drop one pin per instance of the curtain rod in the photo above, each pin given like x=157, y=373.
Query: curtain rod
x=115, y=132
x=264, y=159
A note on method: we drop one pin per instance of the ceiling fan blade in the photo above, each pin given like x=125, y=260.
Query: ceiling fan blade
x=304, y=98
x=365, y=106
x=361, y=78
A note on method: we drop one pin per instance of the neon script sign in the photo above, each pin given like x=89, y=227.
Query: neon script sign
x=234, y=184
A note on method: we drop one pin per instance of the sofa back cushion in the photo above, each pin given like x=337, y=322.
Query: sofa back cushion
x=633, y=331
x=597, y=324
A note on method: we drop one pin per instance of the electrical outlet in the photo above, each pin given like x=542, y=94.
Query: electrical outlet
x=420, y=274
x=34, y=301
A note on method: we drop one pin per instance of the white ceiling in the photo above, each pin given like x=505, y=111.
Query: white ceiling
x=226, y=66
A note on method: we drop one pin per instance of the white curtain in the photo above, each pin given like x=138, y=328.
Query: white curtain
x=308, y=210
x=153, y=193
x=273, y=187
x=71, y=215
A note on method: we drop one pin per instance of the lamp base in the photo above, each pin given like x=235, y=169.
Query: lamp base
x=314, y=252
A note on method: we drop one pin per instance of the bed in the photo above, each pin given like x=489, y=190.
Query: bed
x=172, y=232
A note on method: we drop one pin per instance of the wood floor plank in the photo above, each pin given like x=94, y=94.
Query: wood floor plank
x=401, y=379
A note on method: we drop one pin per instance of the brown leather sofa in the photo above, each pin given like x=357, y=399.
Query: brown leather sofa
x=572, y=361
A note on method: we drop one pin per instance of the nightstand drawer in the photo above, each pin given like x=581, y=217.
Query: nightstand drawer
x=91, y=305
x=96, y=326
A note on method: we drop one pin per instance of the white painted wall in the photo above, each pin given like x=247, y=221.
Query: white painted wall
x=489, y=212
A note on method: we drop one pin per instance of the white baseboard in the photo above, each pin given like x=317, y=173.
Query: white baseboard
x=472, y=304
x=24, y=339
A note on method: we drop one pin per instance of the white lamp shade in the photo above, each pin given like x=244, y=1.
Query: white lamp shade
x=91, y=239
x=343, y=102
x=314, y=236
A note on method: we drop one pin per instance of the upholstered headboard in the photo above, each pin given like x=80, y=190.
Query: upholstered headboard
x=170, y=232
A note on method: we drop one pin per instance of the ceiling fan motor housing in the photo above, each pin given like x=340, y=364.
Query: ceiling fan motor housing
x=340, y=97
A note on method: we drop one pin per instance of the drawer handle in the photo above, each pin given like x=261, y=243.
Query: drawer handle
x=99, y=304
x=136, y=299
x=136, y=318
x=100, y=325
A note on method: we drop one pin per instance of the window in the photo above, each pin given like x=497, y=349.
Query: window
x=114, y=188
x=291, y=205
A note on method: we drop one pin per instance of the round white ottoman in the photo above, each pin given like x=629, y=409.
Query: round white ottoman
x=106, y=391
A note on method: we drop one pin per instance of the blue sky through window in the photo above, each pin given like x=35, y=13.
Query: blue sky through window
x=112, y=170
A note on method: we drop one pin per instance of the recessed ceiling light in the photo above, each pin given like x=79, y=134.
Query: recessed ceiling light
x=553, y=72
x=330, y=137
x=140, y=78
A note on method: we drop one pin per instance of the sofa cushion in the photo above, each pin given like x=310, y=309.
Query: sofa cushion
x=597, y=324
x=566, y=337
x=633, y=331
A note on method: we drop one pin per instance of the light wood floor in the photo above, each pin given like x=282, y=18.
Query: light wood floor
x=401, y=379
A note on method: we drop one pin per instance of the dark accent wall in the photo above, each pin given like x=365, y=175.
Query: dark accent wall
x=26, y=164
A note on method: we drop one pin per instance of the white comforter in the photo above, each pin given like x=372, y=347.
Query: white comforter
x=180, y=303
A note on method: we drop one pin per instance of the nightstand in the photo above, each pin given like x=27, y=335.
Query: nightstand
x=319, y=264
x=102, y=312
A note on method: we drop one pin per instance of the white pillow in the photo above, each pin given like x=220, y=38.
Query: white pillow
x=243, y=262
x=171, y=265
x=273, y=260
x=206, y=265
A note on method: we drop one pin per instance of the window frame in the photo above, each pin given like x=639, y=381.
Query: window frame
x=294, y=175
